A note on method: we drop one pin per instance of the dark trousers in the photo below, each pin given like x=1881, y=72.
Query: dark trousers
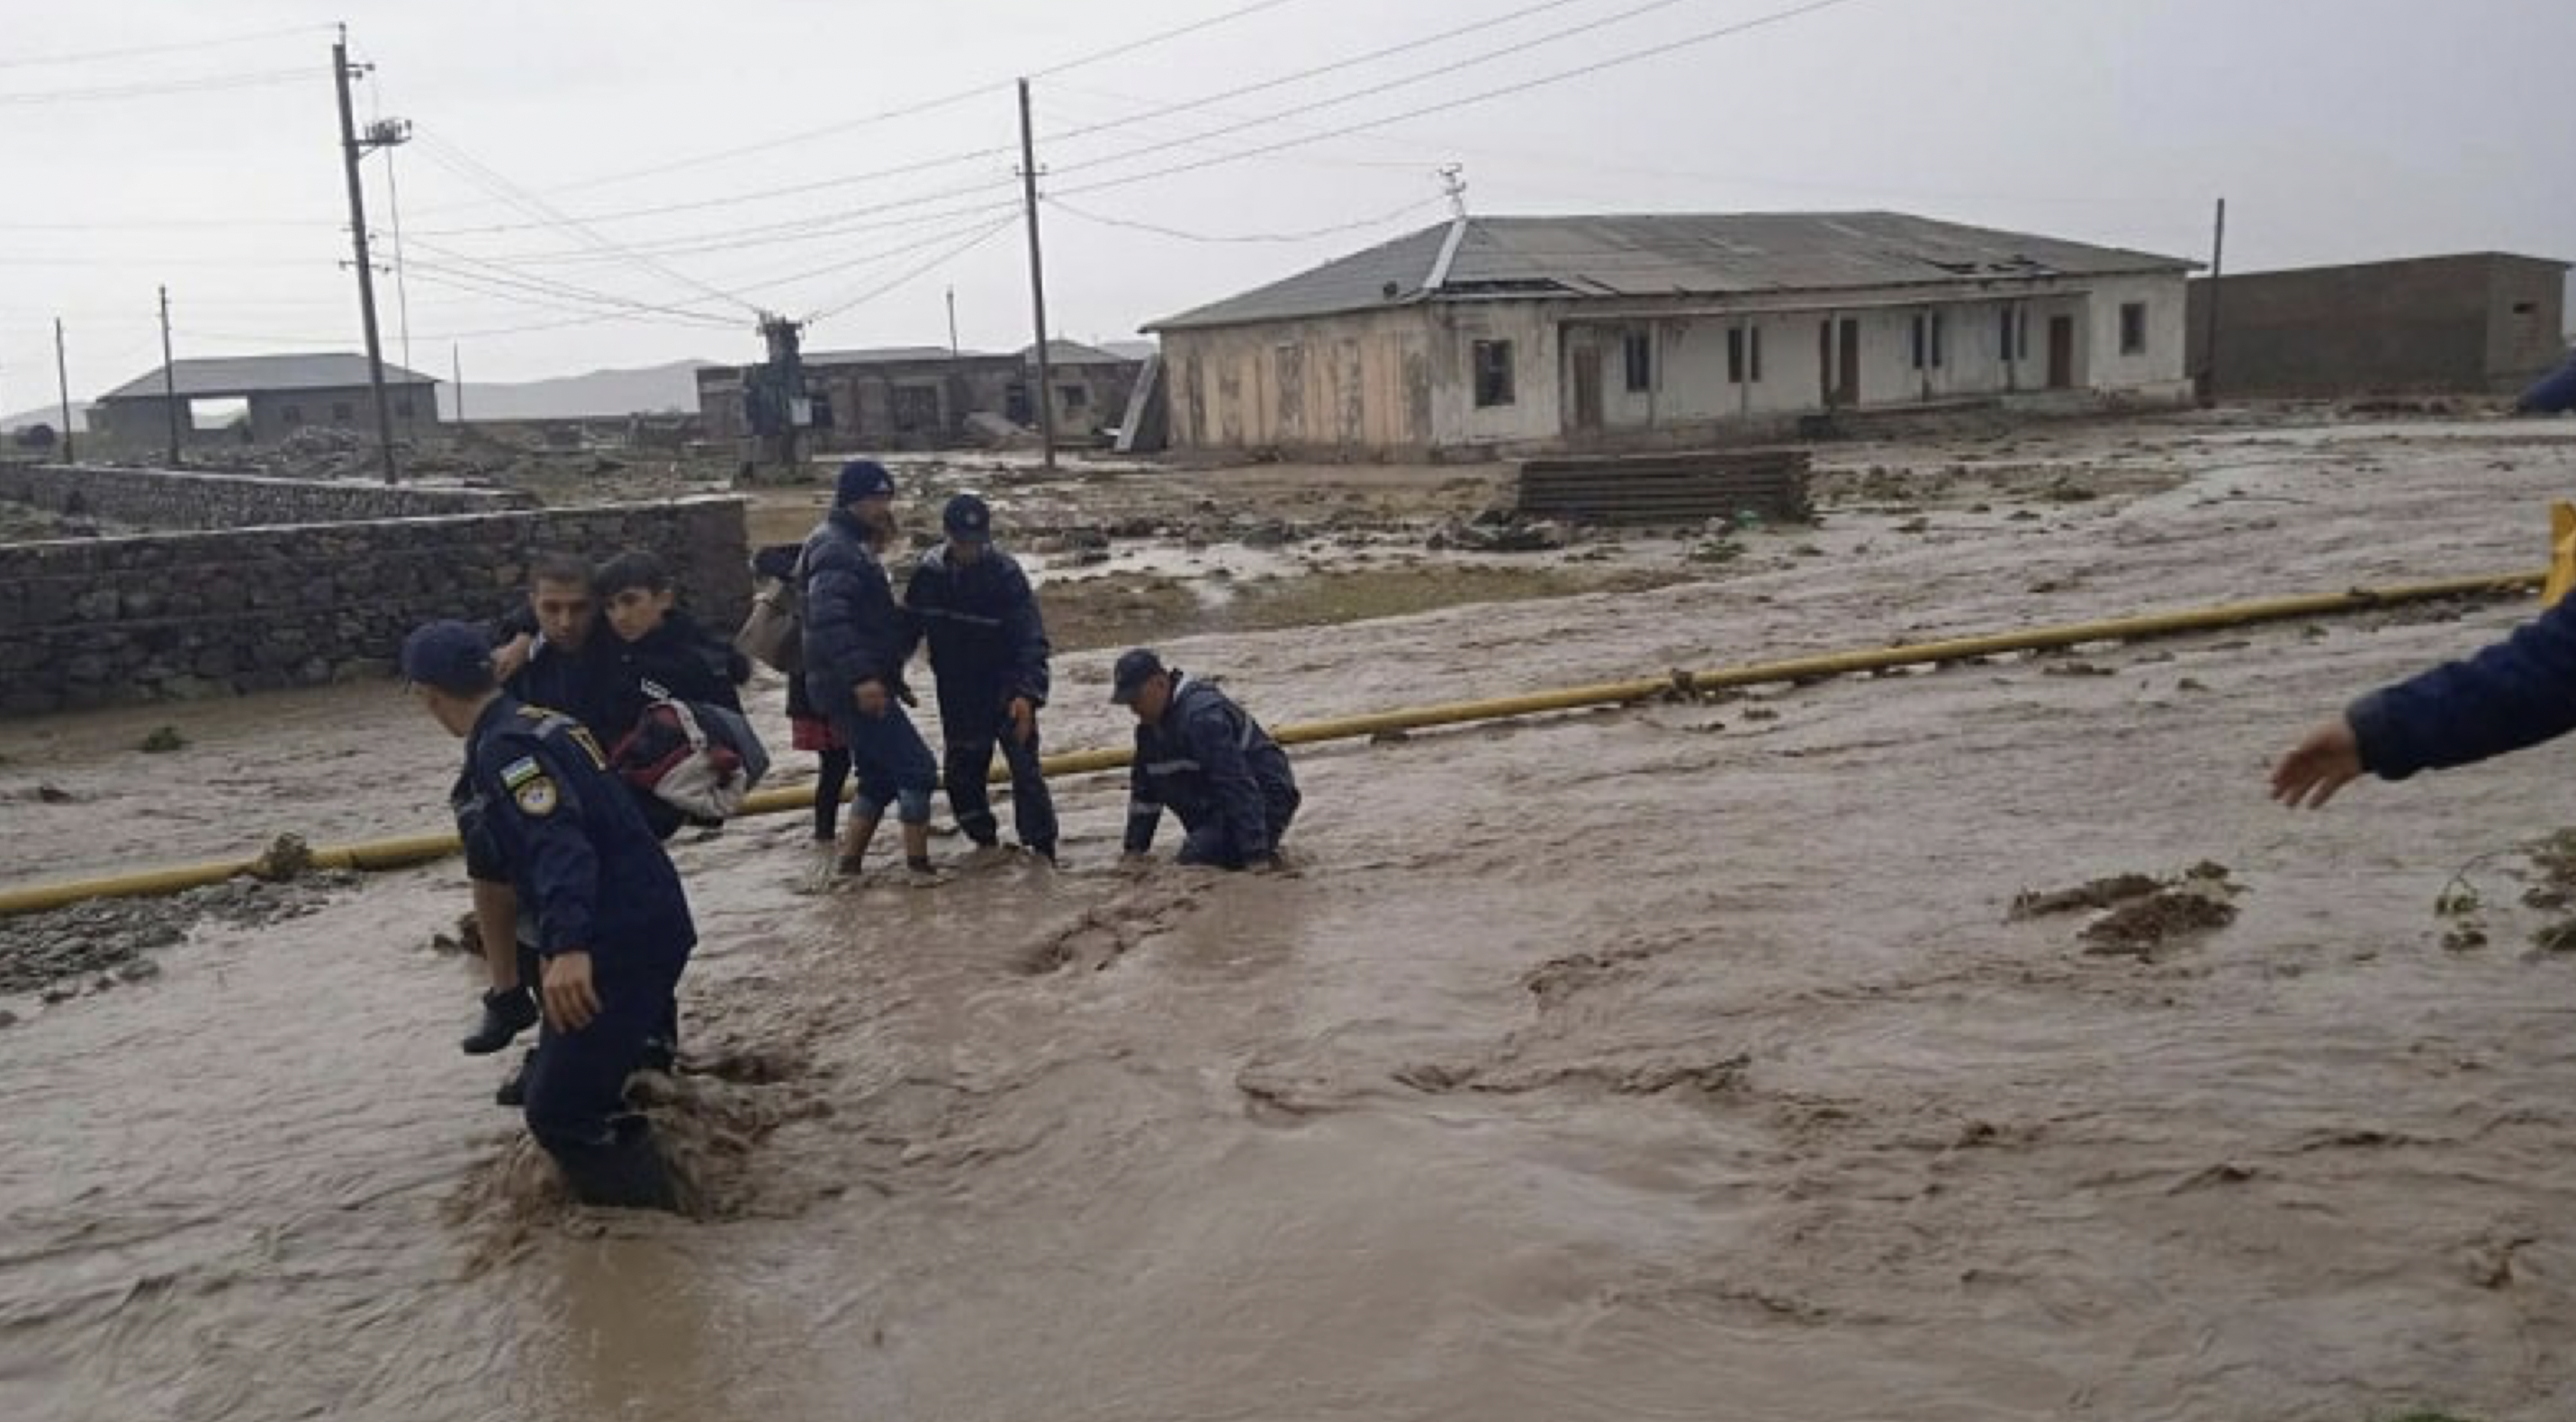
x=829, y=781
x=1208, y=843
x=893, y=765
x=576, y=1086
x=971, y=739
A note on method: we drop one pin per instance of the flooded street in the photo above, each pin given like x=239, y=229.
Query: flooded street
x=1671, y=1062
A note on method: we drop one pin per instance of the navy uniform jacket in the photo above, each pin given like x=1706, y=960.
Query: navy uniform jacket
x=854, y=631
x=2519, y=692
x=987, y=642
x=677, y=660
x=1212, y=764
x=538, y=809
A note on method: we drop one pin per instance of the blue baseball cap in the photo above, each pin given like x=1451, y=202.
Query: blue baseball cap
x=862, y=479
x=452, y=656
x=1134, y=669
x=968, y=519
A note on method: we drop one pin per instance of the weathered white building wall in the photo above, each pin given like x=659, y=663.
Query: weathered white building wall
x=1350, y=386
x=1402, y=382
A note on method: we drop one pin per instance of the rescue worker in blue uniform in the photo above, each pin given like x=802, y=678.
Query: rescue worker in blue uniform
x=857, y=638
x=536, y=805
x=988, y=647
x=1207, y=760
x=2512, y=694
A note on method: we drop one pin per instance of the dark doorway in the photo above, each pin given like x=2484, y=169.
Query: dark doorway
x=2061, y=352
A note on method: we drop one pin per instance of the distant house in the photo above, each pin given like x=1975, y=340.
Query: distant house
x=2477, y=323
x=282, y=394
x=1529, y=334
x=918, y=397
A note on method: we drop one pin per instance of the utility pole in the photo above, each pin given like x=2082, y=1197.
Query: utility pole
x=456, y=374
x=169, y=379
x=785, y=379
x=953, y=351
x=384, y=133
x=63, y=390
x=2217, y=273
x=1037, y=280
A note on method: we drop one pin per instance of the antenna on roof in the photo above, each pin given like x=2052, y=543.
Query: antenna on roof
x=1453, y=184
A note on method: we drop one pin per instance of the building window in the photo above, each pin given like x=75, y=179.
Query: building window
x=1931, y=330
x=1074, y=397
x=2133, y=328
x=1493, y=374
x=1744, y=355
x=342, y=414
x=1639, y=349
x=2011, y=346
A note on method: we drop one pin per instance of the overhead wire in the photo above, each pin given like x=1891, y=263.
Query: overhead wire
x=1309, y=235
x=925, y=106
x=1542, y=81
x=979, y=239
x=28, y=61
x=161, y=88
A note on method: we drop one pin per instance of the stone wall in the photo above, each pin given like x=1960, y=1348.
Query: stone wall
x=100, y=622
x=160, y=498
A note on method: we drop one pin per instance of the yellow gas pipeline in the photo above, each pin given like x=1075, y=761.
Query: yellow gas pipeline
x=418, y=849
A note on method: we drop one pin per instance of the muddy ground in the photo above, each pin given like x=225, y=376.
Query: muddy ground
x=1684, y=1060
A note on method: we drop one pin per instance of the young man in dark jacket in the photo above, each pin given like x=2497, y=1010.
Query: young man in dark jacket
x=537, y=806
x=2515, y=693
x=856, y=640
x=988, y=647
x=1207, y=760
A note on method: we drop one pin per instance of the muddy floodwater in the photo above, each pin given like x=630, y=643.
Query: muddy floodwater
x=1682, y=1061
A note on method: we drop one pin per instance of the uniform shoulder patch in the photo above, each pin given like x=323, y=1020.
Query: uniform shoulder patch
x=519, y=772
x=537, y=798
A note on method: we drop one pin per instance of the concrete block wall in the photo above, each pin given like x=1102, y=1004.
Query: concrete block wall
x=162, y=498
x=100, y=622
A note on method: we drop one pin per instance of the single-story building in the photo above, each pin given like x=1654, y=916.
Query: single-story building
x=2476, y=323
x=1516, y=335
x=281, y=394
x=918, y=397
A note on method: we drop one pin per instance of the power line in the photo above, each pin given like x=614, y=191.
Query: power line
x=812, y=229
x=961, y=249
x=1407, y=81
x=449, y=155
x=1378, y=221
x=1354, y=61
x=1542, y=81
x=161, y=88
x=932, y=105
x=509, y=286
x=703, y=204
x=31, y=60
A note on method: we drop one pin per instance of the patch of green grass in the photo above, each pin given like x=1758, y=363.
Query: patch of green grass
x=163, y=740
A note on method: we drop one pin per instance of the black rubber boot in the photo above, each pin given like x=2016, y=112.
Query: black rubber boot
x=506, y=1013
x=514, y=1087
x=627, y=1173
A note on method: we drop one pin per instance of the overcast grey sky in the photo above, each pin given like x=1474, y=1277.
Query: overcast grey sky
x=2338, y=130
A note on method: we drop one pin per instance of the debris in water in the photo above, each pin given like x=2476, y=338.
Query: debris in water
x=2139, y=912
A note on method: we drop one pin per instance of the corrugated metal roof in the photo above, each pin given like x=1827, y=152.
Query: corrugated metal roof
x=1061, y=352
x=232, y=377
x=1727, y=254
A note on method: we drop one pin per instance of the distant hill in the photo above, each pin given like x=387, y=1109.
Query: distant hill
x=601, y=393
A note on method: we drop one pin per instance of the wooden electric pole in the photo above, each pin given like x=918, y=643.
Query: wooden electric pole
x=1037, y=281
x=169, y=379
x=350, y=152
x=2217, y=283
x=63, y=391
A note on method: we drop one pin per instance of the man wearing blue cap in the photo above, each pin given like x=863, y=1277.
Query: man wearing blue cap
x=856, y=641
x=537, y=806
x=988, y=647
x=1207, y=760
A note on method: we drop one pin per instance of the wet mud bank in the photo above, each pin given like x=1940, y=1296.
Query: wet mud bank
x=1607, y=1065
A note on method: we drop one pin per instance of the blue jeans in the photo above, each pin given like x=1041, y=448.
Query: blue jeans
x=893, y=764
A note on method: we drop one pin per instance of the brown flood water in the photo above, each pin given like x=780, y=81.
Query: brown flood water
x=1680, y=1062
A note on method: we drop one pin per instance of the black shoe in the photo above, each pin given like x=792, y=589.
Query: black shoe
x=658, y=1055
x=1047, y=853
x=514, y=1087
x=506, y=1014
